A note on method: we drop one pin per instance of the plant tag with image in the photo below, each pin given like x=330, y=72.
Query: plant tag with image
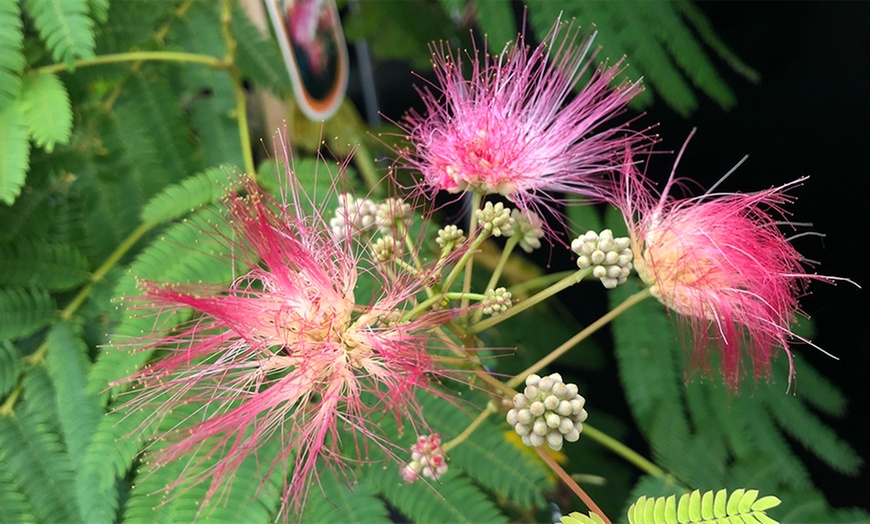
x=312, y=43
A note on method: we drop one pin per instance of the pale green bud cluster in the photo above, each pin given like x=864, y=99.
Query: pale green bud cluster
x=393, y=213
x=384, y=248
x=530, y=227
x=450, y=235
x=610, y=258
x=495, y=219
x=496, y=301
x=353, y=215
x=548, y=411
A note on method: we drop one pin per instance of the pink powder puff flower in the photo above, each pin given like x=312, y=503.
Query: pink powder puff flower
x=510, y=128
x=722, y=263
x=284, y=353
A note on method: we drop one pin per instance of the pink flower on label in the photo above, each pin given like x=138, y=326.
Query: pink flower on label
x=722, y=263
x=512, y=127
x=285, y=353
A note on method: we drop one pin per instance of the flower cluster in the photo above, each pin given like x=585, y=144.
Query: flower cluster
x=512, y=126
x=285, y=352
x=722, y=263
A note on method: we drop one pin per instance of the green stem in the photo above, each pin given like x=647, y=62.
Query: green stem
x=241, y=99
x=505, y=254
x=579, y=337
x=539, y=282
x=438, y=298
x=565, y=283
x=496, y=273
x=630, y=455
x=469, y=253
x=139, y=56
x=476, y=199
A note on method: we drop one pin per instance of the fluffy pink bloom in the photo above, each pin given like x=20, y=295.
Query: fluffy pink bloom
x=721, y=262
x=512, y=126
x=285, y=352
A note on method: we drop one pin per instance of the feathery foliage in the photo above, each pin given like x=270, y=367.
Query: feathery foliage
x=11, y=53
x=46, y=109
x=23, y=310
x=14, y=152
x=708, y=507
x=65, y=27
x=661, y=47
x=32, y=262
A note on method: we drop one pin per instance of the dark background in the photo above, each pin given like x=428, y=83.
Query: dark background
x=807, y=116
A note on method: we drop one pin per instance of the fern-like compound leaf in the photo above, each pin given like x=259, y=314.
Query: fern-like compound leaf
x=30, y=262
x=355, y=500
x=259, y=59
x=11, y=53
x=46, y=108
x=10, y=367
x=202, y=259
x=23, y=310
x=703, y=508
x=656, y=38
x=99, y=10
x=14, y=153
x=65, y=26
x=177, y=200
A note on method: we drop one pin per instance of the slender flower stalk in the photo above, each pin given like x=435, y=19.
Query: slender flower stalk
x=513, y=127
x=722, y=263
x=286, y=352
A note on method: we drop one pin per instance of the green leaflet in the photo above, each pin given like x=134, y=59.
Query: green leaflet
x=174, y=492
x=46, y=108
x=656, y=38
x=10, y=367
x=16, y=507
x=23, y=310
x=259, y=59
x=14, y=153
x=33, y=454
x=179, y=199
x=202, y=259
x=453, y=499
x=11, y=53
x=79, y=414
x=65, y=27
x=740, y=507
x=354, y=500
x=212, y=99
x=580, y=518
x=31, y=262
x=496, y=19
x=149, y=93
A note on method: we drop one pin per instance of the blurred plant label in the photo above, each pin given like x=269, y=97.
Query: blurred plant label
x=312, y=43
